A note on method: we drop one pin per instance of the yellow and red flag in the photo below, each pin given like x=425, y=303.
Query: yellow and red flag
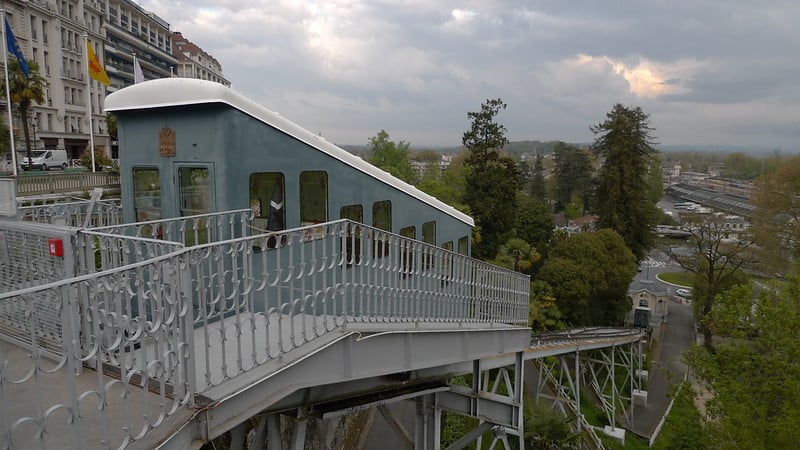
x=96, y=70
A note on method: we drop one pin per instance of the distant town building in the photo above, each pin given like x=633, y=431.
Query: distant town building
x=647, y=294
x=193, y=62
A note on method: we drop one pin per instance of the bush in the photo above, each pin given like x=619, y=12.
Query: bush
x=100, y=159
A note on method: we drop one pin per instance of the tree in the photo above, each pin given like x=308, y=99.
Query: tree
x=492, y=179
x=573, y=175
x=743, y=167
x=717, y=260
x=517, y=255
x=777, y=216
x=753, y=377
x=589, y=274
x=534, y=222
x=538, y=184
x=390, y=156
x=625, y=144
x=448, y=185
x=543, y=312
x=24, y=92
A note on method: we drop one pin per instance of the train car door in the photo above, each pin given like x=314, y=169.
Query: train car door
x=196, y=196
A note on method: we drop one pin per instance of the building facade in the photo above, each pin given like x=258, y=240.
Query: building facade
x=54, y=33
x=193, y=62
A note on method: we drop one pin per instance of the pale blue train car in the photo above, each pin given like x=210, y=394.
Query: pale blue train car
x=191, y=147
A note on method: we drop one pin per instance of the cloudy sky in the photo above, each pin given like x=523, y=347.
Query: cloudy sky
x=709, y=72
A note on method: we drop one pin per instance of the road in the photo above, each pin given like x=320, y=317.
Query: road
x=667, y=367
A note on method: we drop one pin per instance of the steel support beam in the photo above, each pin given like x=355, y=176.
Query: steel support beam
x=396, y=426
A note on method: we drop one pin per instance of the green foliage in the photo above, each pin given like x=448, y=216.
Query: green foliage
x=448, y=185
x=717, y=262
x=486, y=137
x=543, y=312
x=777, y=217
x=590, y=274
x=491, y=181
x=685, y=279
x=573, y=176
x=625, y=144
x=390, y=156
x=24, y=92
x=743, y=167
x=517, y=255
x=546, y=429
x=754, y=376
x=111, y=124
x=538, y=188
x=683, y=428
x=574, y=208
x=534, y=222
x=100, y=159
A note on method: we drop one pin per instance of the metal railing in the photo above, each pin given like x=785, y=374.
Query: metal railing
x=51, y=183
x=75, y=213
x=164, y=320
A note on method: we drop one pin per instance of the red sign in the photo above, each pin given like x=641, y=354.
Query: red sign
x=55, y=246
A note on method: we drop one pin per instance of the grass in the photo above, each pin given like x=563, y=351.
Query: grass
x=683, y=278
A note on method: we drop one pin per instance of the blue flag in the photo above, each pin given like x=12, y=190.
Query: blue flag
x=13, y=47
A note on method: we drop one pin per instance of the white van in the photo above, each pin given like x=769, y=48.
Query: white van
x=45, y=160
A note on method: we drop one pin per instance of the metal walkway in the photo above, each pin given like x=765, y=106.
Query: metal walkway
x=177, y=331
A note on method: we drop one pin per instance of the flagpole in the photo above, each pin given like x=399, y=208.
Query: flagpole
x=8, y=93
x=89, y=100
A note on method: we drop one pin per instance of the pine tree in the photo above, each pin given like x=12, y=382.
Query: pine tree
x=492, y=179
x=625, y=144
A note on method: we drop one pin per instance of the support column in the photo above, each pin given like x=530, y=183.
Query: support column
x=274, y=431
x=299, y=434
x=426, y=429
x=260, y=438
x=238, y=435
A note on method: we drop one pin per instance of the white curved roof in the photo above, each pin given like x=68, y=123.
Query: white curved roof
x=166, y=92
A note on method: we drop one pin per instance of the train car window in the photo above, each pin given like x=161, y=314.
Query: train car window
x=381, y=219
x=313, y=197
x=463, y=245
x=147, y=197
x=407, y=251
x=428, y=237
x=352, y=241
x=447, y=263
x=267, y=201
x=352, y=212
x=195, y=199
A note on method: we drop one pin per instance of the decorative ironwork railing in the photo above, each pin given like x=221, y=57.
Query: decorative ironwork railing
x=163, y=320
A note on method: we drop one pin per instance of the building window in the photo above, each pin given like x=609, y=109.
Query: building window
x=33, y=29
x=313, y=197
x=44, y=31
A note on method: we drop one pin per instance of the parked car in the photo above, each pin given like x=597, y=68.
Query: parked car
x=683, y=292
x=45, y=160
